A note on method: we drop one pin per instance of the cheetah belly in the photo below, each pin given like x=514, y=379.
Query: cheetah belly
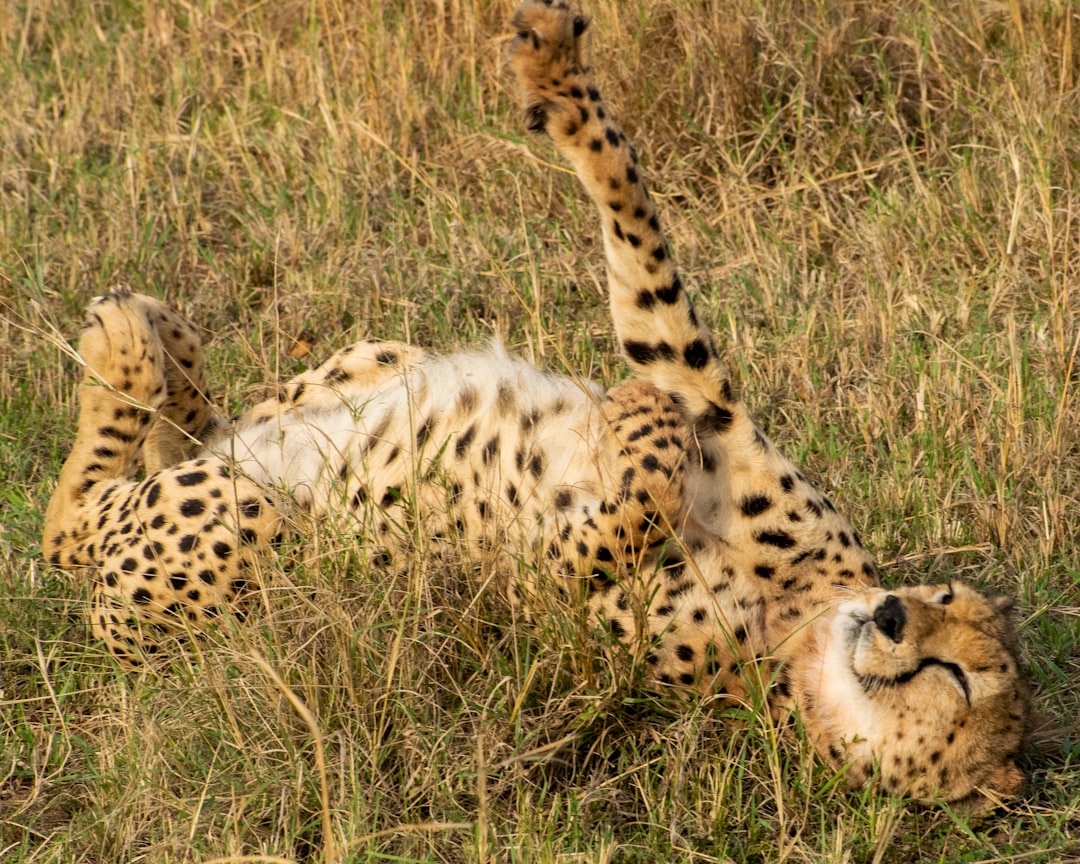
x=488, y=432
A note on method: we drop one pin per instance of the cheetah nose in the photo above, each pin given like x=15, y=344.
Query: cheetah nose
x=890, y=618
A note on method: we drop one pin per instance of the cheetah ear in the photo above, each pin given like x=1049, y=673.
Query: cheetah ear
x=1005, y=605
x=1007, y=779
x=581, y=24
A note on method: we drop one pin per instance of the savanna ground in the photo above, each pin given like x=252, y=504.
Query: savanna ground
x=877, y=206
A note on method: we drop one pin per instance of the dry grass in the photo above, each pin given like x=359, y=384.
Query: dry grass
x=876, y=204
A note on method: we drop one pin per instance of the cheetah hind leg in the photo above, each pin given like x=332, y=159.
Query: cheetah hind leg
x=123, y=388
x=142, y=403
x=187, y=415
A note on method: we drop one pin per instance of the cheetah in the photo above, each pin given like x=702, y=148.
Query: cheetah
x=658, y=505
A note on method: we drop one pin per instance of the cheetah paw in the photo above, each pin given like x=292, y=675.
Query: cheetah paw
x=545, y=53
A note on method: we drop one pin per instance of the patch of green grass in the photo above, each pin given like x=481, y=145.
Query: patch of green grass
x=876, y=208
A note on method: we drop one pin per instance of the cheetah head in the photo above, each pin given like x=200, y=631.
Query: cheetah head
x=923, y=683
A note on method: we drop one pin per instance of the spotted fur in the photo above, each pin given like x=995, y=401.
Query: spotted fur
x=658, y=504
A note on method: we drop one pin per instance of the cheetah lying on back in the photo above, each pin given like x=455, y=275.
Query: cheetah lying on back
x=658, y=503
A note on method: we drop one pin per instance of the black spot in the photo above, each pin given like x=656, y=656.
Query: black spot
x=631, y=174
x=188, y=542
x=117, y=434
x=207, y=577
x=716, y=418
x=670, y=293
x=467, y=400
x=594, y=94
x=612, y=137
x=152, y=494
x=387, y=358
x=633, y=240
x=644, y=353
x=536, y=465
x=755, y=505
x=645, y=299
x=617, y=628
x=490, y=449
x=391, y=495
x=464, y=441
x=684, y=653
x=178, y=580
x=596, y=145
x=423, y=433
x=696, y=354
x=192, y=507
x=764, y=571
x=141, y=596
x=779, y=539
x=337, y=375
x=699, y=616
x=678, y=590
x=222, y=549
x=535, y=115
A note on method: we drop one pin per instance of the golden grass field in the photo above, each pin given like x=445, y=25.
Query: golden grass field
x=877, y=206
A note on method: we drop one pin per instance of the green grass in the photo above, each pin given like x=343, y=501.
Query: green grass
x=876, y=206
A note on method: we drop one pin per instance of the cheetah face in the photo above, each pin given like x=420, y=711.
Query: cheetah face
x=923, y=682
